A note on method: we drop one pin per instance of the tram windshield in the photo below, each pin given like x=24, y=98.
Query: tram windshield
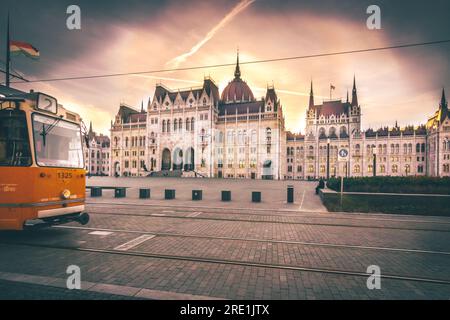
x=57, y=142
x=14, y=142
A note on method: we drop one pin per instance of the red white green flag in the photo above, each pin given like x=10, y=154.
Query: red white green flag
x=18, y=47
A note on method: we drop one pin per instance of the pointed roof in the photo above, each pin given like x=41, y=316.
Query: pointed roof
x=443, y=104
x=237, y=71
x=354, y=93
x=311, y=97
x=237, y=90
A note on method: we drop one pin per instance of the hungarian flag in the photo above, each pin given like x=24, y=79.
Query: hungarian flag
x=332, y=87
x=18, y=47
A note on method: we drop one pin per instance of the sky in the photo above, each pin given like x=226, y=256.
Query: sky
x=401, y=85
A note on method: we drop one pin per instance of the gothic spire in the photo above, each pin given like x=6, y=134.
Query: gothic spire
x=90, y=127
x=237, y=71
x=311, y=97
x=347, y=97
x=354, y=93
x=443, y=104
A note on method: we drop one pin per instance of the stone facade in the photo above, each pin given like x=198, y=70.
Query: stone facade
x=97, y=155
x=233, y=135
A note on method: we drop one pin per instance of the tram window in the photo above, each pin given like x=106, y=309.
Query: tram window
x=14, y=143
x=57, y=142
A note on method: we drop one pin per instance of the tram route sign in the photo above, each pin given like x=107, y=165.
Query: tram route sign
x=343, y=154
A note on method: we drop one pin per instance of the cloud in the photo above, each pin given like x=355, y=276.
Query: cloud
x=241, y=6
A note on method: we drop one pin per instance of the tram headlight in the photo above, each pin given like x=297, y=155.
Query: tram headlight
x=65, y=194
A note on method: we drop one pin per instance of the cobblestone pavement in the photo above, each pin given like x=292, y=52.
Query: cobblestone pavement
x=141, y=249
x=273, y=192
x=12, y=290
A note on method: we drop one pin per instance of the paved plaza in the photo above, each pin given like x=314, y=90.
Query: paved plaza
x=209, y=249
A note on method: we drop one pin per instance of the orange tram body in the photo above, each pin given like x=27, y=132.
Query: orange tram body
x=42, y=176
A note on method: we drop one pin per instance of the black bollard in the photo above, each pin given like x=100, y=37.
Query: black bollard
x=256, y=196
x=144, y=193
x=96, y=192
x=290, y=194
x=120, y=192
x=169, y=194
x=197, y=195
x=226, y=195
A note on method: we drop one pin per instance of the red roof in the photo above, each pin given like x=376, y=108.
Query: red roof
x=329, y=108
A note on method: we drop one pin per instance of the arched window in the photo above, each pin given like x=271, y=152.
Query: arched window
x=254, y=138
x=164, y=126
x=332, y=132
x=240, y=140
x=418, y=148
x=407, y=169
x=168, y=125
x=126, y=142
x=268, y=135
x=180, y=124
x=322, y=133
x=188, y=124
x=192, y=124
x=343, y=132
x=356, y=168
x=357, y=149
x=175, y=125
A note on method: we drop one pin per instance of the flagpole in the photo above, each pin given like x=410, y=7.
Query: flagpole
x=8, y=53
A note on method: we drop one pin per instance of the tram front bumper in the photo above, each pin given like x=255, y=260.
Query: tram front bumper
x=80, y=217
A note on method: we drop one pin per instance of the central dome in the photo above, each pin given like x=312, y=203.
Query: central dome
x=237, y=90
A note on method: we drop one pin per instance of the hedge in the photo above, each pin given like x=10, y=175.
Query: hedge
x=411, y=185
x=393, y=204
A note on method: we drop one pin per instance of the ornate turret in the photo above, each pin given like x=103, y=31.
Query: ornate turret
x=443, y=107
x=237, y=90
x=354, y=94
x=311, y=97
x=237, y=71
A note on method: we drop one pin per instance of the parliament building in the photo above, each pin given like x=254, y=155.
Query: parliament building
x=201, y=132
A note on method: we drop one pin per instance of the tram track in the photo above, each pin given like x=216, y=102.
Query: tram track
x=303, y=243
x=230, y=262
x=155, y=215
x=318, y=215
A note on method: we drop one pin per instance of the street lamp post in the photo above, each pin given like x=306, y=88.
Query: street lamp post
x=374, y=168
x=328, y=159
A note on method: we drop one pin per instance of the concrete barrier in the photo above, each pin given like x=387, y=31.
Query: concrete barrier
x=197, y=195
x=144, y=193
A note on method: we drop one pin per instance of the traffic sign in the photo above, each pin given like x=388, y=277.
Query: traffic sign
x=343, y=154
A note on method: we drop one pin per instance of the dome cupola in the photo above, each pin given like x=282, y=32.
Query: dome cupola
x=237, y=90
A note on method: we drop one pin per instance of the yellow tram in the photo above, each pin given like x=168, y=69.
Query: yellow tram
x=42, y=176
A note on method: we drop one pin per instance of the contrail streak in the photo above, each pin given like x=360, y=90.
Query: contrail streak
x=288, y=92
x=241, y=6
